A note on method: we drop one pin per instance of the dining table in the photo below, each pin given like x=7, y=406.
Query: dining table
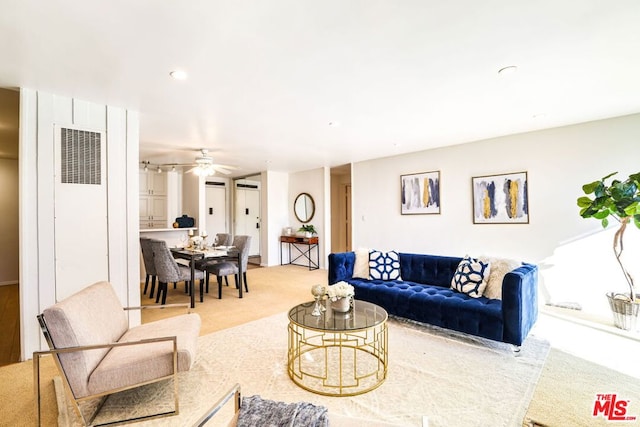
x=218, y=253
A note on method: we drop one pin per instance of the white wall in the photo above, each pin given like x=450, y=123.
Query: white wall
x=558, y=161
x=40, y=112
x=275, y=214
x=316, y=184
x=192, y=189
x=9, y=259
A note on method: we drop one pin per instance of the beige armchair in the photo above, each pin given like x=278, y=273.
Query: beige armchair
x=97, y=353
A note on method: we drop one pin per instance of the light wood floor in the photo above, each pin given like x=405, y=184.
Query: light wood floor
x=10, y=321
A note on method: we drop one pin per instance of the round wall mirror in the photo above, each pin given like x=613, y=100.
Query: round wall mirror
x=304, y=207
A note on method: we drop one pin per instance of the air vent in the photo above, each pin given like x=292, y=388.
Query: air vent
x=80, y=157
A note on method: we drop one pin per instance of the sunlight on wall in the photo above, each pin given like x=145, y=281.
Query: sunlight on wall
x=584, y=269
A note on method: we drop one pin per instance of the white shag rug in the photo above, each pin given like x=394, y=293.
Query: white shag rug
x=451, y=378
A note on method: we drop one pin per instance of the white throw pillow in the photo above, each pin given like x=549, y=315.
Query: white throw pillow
x=361, y=266
x=471, y=277
x=384, y=265
x=499, y=267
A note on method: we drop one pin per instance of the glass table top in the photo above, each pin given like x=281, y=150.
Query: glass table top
x=363, y=315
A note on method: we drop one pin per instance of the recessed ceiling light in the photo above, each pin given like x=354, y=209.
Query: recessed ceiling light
x=539, y=116
x=179, y=75
x=507, y=70
x=334, y=123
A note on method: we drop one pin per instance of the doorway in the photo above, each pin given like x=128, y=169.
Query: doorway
x=9, y=227
x=216, y=207
x=247, y=217
x=341, y=224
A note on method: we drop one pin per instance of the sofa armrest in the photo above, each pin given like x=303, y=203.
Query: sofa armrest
x=519, y=303
x=341, y=266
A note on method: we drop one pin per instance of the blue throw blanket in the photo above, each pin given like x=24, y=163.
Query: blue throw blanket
x=258, y=412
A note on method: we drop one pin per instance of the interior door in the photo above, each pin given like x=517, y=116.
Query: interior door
x=216, y=208
x=247, y=214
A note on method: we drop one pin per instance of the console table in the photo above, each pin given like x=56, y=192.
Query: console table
x=301, y=248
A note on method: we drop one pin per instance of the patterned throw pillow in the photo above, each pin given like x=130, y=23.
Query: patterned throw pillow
x=471, y=277
x=384, y=265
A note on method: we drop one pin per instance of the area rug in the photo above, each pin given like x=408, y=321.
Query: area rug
x=447, y=377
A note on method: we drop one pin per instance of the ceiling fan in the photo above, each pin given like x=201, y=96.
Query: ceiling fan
x=203, y=165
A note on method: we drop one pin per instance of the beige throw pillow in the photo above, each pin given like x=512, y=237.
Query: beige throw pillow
x=361, y=266
x=499, y=267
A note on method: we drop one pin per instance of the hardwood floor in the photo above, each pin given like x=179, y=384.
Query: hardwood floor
x=10, y=321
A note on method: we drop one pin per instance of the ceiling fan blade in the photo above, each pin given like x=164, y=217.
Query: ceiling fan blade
x=218, y=165
x=221, y=170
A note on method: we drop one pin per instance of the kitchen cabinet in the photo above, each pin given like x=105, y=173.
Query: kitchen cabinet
x=153, y=200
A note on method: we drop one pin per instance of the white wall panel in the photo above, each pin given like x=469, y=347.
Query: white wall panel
x=81, y=231
x=44, y=194
x=89, y=114
x=65, y=242
x=116, y=186
x=132, y=228
x=62, y=108
x=30, y=335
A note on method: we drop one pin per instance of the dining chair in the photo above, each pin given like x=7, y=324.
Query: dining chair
x=168, y=270
x=227, y=268
x=223, y=239
x=149, y=266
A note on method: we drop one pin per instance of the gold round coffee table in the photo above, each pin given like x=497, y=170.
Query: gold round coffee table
x=338, y=354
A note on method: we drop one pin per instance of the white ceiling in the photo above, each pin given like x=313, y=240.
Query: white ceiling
x=266, y=77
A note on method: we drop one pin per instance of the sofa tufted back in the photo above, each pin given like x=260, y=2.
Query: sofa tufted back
x=428, y=269
x=419, y=268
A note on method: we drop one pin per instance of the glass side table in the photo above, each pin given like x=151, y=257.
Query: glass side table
x=338, y=354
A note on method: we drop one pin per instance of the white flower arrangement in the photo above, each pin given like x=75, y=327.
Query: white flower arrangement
x=340, y=290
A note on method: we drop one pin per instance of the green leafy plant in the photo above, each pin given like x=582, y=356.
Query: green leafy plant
x=619, y=200
x=308, y=228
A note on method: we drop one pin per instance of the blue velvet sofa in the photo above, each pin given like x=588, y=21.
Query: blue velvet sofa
x=424, y=295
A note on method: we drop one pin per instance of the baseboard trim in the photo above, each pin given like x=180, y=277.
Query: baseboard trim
x=9, y=282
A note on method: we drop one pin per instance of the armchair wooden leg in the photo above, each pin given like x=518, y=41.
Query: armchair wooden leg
x=226, y=280
x=219, y=287
x=244, y=278
x=146, y=284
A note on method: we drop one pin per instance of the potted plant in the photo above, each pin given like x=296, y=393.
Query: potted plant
x=619, y=200
x=308, y=230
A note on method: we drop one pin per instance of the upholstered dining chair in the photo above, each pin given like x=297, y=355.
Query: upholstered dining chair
x=223, y=239
x=169, y=271
x=149, y=265
x=227, y=268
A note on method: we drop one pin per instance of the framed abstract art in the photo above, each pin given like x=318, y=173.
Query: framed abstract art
x=420, y=193
x=501, y=199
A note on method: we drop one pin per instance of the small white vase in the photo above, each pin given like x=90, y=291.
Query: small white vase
x=341, y=305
